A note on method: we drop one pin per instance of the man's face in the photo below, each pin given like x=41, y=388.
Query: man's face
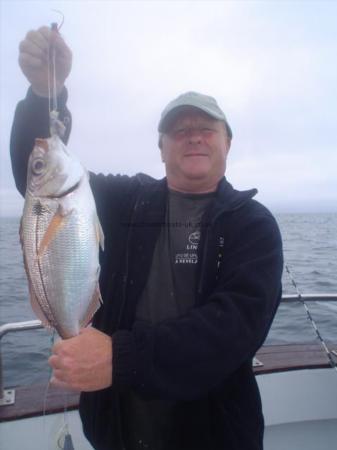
x=194, y=150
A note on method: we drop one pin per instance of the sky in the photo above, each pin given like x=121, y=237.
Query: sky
x=271, y=65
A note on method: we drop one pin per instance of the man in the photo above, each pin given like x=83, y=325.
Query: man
x=190, y=279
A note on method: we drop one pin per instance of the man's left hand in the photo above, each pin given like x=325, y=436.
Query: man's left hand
x=84, y=362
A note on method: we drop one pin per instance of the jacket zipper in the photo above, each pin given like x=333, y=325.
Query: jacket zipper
x=203, y=262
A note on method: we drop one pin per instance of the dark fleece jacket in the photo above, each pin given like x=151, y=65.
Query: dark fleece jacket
x=202, y=360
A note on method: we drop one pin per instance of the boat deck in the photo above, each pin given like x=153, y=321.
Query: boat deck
x=282, y=358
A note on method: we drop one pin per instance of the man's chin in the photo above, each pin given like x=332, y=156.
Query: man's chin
x=196, y=175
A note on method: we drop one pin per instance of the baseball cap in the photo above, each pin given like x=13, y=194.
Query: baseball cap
x=201, y=101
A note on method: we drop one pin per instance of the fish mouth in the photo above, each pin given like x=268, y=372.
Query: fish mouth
x=67, y=192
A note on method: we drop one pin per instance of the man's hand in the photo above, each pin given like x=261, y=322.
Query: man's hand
x=33, y=59
x=84, y=362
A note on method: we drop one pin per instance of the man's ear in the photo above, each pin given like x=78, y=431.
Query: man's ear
x=160, y=145
x=229, y=143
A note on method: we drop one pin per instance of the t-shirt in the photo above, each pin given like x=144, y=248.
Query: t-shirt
x=168, y=293
x=170, y=288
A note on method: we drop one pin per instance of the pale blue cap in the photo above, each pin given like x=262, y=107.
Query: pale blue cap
x=201, y=101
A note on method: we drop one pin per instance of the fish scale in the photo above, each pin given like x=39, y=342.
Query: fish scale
x=31, y=233
x=60, y=236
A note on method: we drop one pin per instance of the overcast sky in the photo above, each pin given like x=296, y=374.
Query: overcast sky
x=270, y=64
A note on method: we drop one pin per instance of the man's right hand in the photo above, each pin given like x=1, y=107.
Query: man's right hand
x=33, y=59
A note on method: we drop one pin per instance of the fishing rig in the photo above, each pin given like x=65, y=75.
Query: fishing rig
x=64, y=440
x=311, y=319
x=56, y=126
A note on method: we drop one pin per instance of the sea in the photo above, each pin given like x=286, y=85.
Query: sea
x=310, y=252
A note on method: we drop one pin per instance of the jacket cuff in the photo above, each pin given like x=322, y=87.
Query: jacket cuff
x=124, y=371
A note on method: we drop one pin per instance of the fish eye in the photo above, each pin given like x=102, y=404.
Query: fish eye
x=38, y=166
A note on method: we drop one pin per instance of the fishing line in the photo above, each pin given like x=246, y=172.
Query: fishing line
x=52, y=341
x=52, y=91
x=55, y=28
x=56, y=127
x=65, y=415
x=55, y=107
x=48, y=80
x=313, y=323
x=64, y=440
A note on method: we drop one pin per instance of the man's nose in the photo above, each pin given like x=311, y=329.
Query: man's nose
x=194, y=135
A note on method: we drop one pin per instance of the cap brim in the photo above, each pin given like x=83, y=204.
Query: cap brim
x=166, y=121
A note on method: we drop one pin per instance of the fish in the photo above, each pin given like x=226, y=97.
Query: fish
x=60, y=235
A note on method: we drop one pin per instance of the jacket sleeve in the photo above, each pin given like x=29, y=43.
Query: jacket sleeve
x=187, y=357
x=31, y=121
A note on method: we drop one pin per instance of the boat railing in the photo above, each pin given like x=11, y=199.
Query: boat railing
x=7, y=396
x=293, y=298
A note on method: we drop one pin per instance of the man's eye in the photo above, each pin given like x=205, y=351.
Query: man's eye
x=180, y=132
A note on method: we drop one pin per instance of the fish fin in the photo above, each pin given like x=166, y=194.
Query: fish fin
x=54, y=226
x=95, y=303
x=99, y=233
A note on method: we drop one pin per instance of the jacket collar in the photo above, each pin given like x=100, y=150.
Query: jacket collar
x=227, y=198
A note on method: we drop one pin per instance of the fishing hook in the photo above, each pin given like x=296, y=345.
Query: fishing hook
x=54, y=25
